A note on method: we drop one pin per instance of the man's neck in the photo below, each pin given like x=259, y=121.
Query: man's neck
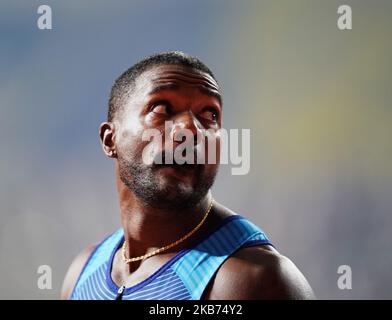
x=147, y=228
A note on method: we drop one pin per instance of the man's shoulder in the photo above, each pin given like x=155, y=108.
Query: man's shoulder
x=258, y=272
x=104, y=247
x=74, y=271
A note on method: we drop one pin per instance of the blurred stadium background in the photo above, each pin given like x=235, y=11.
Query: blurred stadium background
x=317, y=101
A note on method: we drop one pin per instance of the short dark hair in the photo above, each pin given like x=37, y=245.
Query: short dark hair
x=124, y=84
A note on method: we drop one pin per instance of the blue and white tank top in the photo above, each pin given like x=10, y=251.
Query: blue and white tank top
x=184, y=277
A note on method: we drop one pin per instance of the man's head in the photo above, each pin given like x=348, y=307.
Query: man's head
x=173, y=94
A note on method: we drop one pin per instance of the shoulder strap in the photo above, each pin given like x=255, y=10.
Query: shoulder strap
x=100, y=255
x=198, y=266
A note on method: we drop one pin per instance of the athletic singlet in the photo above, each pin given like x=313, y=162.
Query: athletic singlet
x=184, y=277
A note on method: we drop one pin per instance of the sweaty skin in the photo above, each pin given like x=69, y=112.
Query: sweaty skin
x=191, y=100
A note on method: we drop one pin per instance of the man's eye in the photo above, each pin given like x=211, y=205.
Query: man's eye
x=210, y=114
x=160, y=109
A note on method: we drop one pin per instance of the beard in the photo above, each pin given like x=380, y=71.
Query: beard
x=161, y=191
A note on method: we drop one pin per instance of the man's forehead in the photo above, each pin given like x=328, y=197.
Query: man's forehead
x=164, y=74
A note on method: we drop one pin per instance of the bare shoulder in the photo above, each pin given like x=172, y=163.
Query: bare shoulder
x=255, y=273
x=74, y=271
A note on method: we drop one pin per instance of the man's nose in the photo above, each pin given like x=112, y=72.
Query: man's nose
x=186, y=125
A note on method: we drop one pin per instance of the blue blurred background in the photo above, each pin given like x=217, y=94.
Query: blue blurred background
x=317, y=101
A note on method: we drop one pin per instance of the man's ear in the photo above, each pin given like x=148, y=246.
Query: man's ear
x=107, y=135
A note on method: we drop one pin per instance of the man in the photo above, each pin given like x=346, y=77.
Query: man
x=176, y=242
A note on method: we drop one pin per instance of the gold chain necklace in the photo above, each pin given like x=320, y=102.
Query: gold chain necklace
x=129, y=260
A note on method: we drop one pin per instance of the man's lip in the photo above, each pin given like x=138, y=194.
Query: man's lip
x=164, y=157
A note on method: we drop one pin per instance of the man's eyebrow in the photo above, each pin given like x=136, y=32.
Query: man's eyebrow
x=211, y=92
x=175, y=86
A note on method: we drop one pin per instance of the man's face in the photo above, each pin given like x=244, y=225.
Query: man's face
x=173, y=100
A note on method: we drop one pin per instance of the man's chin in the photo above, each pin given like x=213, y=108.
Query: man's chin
x=178, y=199
x=178, y=195
x=167, y=186
x=174, y=189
